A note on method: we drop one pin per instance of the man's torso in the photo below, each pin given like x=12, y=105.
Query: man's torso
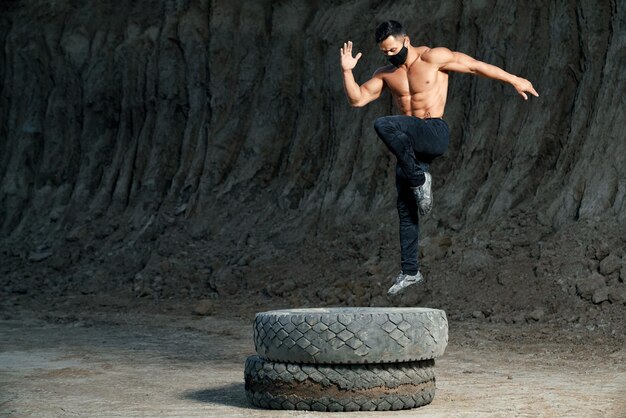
x=421, y=90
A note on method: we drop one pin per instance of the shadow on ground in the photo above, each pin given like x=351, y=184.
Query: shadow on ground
x=229, y=395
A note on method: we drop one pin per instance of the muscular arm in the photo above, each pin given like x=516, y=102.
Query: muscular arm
x=457, y=61
x=358, y=96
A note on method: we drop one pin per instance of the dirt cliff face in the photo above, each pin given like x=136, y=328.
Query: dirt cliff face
x=194, y=147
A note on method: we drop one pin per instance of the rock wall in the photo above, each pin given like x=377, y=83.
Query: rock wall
x=121, y=120
x=131, y=106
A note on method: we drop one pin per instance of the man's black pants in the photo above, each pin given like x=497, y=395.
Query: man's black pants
x=415, y=142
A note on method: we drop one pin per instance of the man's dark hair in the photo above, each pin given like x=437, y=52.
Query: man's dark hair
x=387, y=29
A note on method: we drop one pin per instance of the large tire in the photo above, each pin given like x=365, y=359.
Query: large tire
x=337, y=388
x=351, y=335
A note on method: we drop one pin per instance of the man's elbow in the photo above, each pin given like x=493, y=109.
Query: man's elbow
x=356, y=103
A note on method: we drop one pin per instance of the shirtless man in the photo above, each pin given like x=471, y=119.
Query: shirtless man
x=418, y=81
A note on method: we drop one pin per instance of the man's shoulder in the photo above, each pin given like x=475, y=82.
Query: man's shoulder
x=435, y=55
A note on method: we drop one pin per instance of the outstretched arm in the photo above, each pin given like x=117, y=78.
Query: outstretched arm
x=462, y=63
x=358, y=96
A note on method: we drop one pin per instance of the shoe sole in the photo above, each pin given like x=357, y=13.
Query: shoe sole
x=405, y=287
x=425, y=209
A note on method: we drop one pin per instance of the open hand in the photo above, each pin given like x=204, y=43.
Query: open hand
x=524, y=86
x=348, y=62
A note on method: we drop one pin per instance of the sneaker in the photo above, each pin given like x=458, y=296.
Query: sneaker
x=424, y=195
x=402, y=281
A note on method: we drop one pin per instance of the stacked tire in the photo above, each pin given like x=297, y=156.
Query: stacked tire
x=345, y=359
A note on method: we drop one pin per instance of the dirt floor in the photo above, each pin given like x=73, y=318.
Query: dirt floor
x=160, y=325
x=164, y=363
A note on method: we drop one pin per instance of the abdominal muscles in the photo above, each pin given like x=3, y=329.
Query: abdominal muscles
x=429, y=104
x=423, y=100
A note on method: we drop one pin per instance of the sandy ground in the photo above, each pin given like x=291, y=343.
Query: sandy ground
x=139, y=364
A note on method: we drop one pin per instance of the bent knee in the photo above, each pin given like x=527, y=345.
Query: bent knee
x=382, y=124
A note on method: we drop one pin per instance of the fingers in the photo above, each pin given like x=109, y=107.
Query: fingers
x=358, y=56
x=530, y=89
x=526, y=87
x=347, y=48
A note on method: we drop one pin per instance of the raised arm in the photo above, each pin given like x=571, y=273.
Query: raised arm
x=358, y=96
x=457, y=61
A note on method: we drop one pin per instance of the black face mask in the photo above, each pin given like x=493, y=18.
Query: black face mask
x=399, y=58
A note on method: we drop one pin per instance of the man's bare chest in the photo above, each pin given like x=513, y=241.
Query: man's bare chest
x=420, y=77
